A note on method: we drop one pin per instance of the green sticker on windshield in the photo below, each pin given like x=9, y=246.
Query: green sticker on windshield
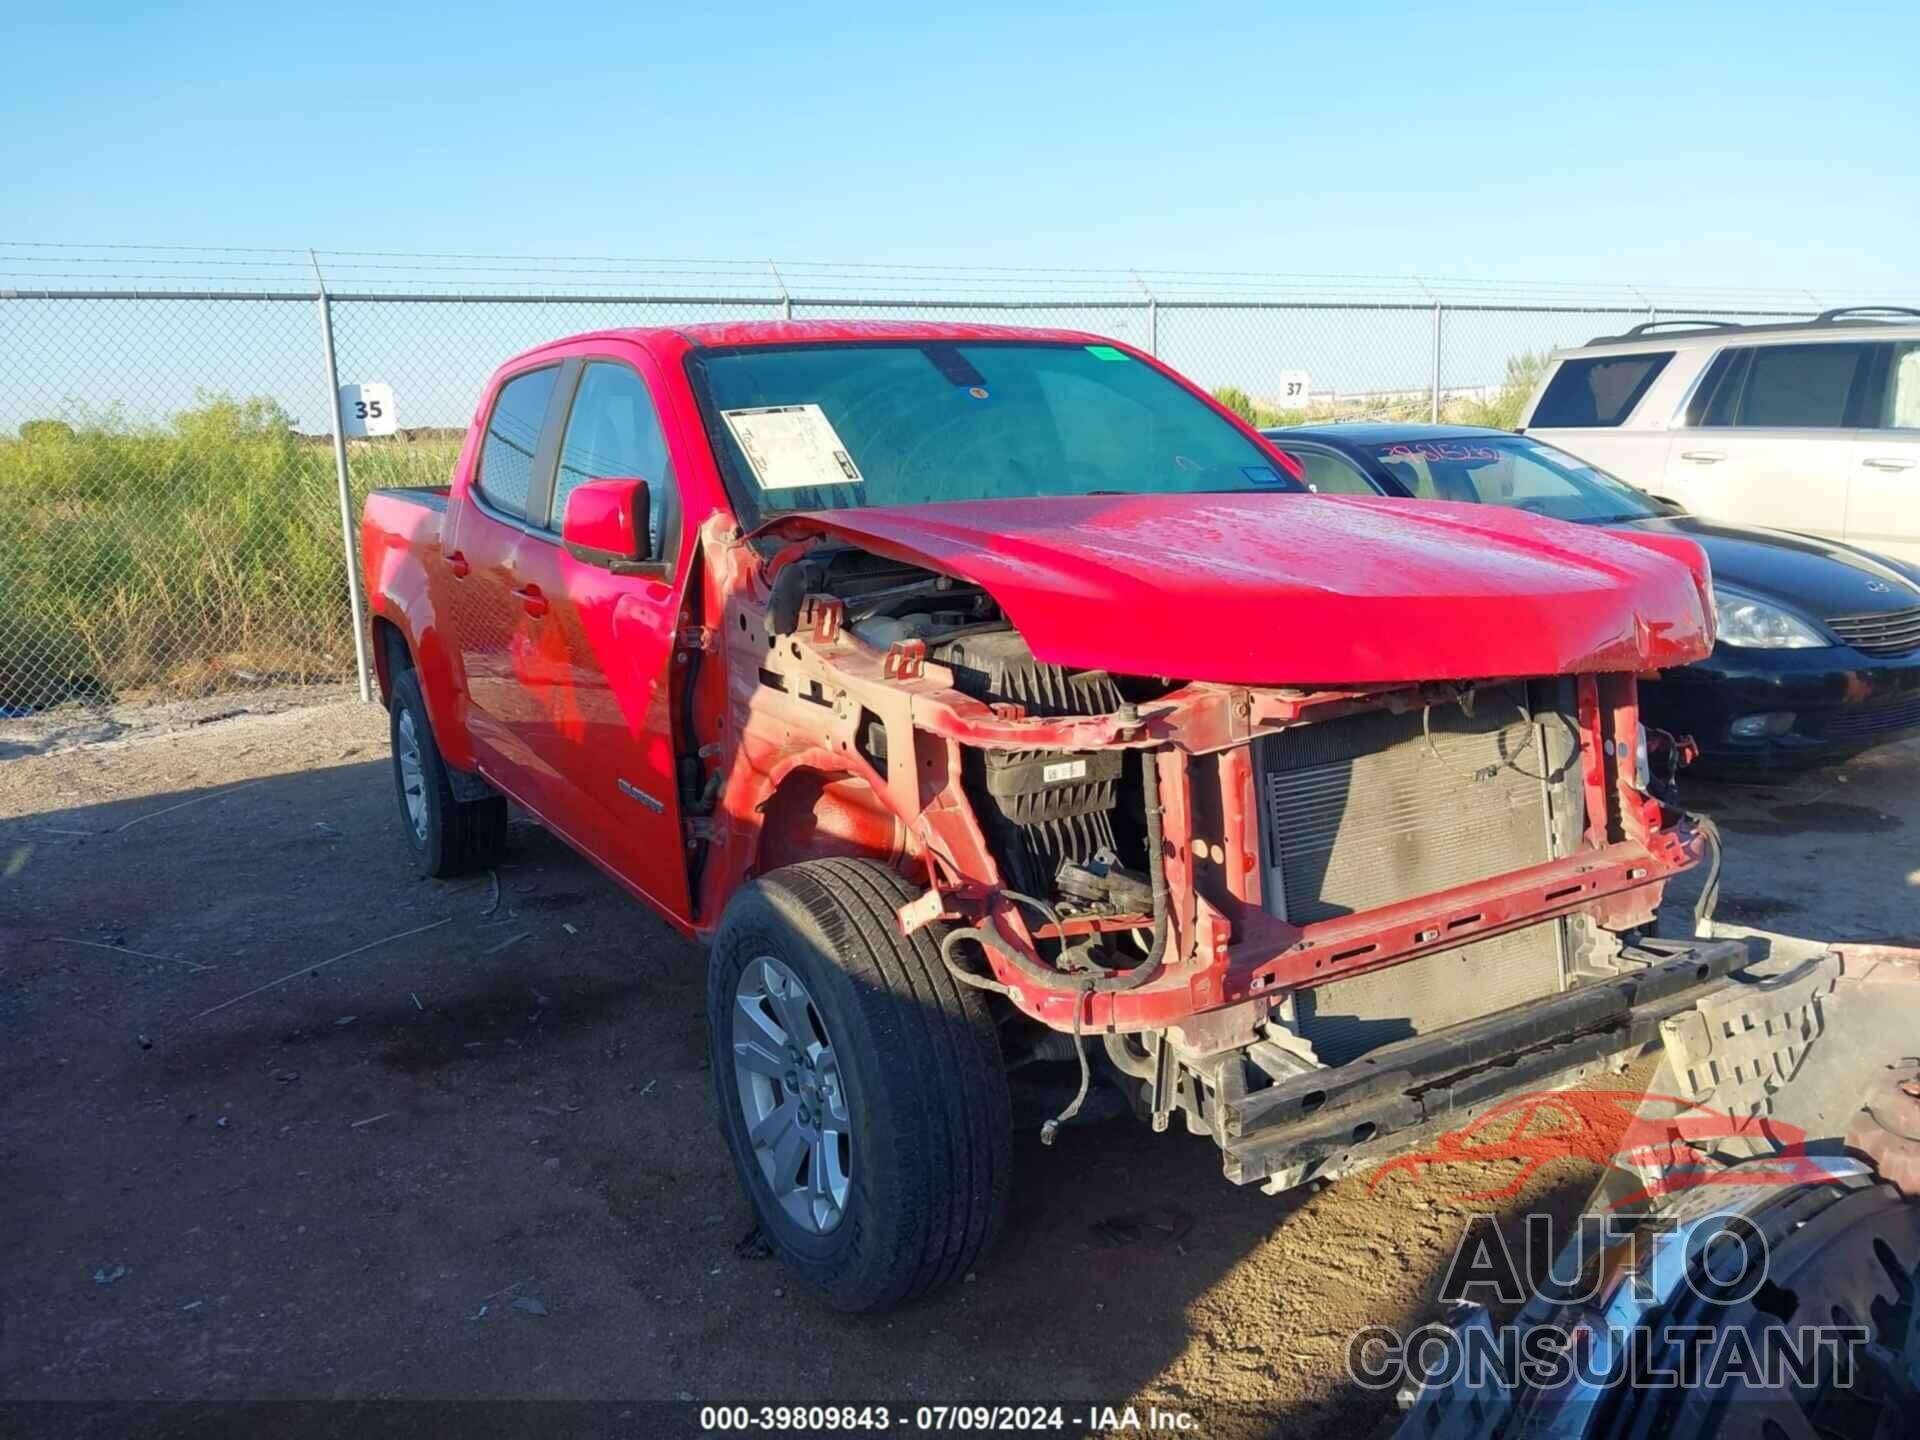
x=1106, y=352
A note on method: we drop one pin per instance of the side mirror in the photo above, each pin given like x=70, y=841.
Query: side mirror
x=606, y=524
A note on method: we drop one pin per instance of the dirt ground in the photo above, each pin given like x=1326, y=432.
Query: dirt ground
x=468, y=1151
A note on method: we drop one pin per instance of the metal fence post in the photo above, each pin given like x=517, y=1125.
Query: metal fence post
x=1153, y=316
x=347, y=532
x=786, y=300
x=1435, y=416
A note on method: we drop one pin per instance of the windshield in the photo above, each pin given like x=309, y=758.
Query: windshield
x=845, y=425
x=1512, y=470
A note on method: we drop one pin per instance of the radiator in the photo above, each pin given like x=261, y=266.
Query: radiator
x=1378, y=808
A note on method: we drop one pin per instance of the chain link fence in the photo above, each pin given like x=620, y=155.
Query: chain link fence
x=170, y=517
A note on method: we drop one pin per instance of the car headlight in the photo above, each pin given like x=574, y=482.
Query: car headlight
x=1750, y=623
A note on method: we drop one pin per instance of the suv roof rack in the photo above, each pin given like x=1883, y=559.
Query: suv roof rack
x=1863, y=310
x=1648, y=327
x=1844, y=315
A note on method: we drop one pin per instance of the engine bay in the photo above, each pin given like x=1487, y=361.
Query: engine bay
x=1068, y=828
x=1132, y=852
x=1215, y=891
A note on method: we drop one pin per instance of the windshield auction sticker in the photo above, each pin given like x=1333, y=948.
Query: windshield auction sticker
x=789, y=446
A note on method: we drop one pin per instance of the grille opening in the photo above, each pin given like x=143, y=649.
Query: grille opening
x=1891, y=632
x=1865, y=721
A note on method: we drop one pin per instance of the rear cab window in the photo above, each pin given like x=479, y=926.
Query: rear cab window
x=1597, y=390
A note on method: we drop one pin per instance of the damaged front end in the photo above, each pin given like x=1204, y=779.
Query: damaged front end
x=1312, y=920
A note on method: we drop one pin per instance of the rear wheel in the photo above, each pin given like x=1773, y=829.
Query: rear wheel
x=860, y=1087
x=447, y=836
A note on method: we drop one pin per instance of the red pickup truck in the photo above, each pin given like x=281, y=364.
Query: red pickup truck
x=994, y=703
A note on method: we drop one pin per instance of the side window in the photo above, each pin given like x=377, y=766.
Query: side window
x=1790, y=386
x=1330, y=475
x=1900, y=410
x=1719, y=387
x=1598, y=390
x=513, y=432
x=613, y=432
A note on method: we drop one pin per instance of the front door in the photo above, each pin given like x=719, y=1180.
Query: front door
x=595, y=666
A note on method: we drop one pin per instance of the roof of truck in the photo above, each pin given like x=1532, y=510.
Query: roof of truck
x=803, y=332
x=789, y=332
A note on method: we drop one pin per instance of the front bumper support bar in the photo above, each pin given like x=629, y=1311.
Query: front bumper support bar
x=1327, y=1122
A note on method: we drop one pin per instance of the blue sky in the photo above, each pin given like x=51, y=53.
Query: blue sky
x=1751, y=144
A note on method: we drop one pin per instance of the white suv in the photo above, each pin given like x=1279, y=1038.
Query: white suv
x=1812, y=427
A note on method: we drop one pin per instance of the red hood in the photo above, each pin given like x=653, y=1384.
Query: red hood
x=1305, y=589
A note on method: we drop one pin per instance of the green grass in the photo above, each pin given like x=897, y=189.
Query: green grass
x=163, y=559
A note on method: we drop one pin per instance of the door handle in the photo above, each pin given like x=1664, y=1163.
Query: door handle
x=1887, y=462
x=531, y=600
x=1703, y=457
x=457, y=563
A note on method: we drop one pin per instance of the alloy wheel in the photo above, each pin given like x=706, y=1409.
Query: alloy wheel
x=790, y=1093
x=413, y=774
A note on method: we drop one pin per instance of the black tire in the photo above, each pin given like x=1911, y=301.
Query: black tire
x=449, y=836
x=918, y=1060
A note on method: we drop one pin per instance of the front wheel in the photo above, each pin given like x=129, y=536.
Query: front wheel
x=860, y=1087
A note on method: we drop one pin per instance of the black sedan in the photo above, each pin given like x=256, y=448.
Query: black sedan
x=1818, y=655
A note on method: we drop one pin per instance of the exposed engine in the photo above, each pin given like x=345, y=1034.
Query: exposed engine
x=1043, y=810
x=1359, y=812
x=1043, y=807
